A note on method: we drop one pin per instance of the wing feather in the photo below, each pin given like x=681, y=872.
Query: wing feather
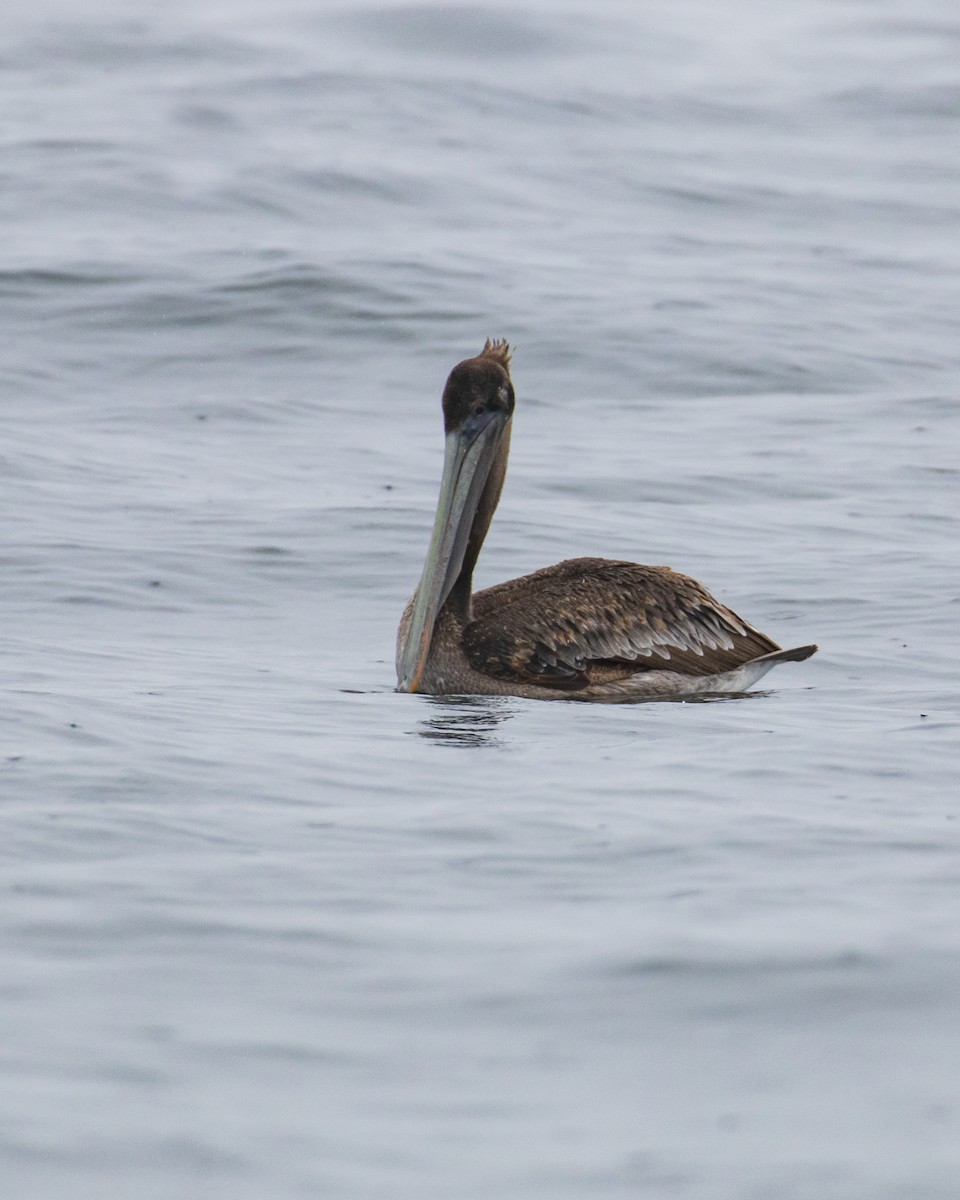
x=588, y=618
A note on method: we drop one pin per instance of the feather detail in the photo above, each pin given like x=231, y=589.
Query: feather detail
x=589, y=619
x=498, y=350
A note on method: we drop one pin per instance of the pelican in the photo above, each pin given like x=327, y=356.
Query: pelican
x=585, y=629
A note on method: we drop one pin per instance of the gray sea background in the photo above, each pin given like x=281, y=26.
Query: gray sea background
x=269, y=929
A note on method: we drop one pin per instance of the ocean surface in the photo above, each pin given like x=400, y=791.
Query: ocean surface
x=269, y=929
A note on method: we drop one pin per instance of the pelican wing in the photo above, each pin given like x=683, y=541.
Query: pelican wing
x=572, y=623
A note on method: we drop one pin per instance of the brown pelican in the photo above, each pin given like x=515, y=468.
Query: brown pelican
x=585, y=629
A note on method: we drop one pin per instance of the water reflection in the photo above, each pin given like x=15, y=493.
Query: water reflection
x=465, y=720
x=473, y=720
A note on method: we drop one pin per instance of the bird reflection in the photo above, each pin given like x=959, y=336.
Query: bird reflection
x=466, y=720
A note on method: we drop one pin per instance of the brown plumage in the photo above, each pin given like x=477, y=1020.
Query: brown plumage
x=559, y=624
x=587, y=628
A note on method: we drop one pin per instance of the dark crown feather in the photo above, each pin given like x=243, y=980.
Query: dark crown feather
x=498, y=350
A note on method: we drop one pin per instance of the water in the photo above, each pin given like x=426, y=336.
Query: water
x=269, y=928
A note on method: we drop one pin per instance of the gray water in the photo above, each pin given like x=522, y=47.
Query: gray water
x=270, y=929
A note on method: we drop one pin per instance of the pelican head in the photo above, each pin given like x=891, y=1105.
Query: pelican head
x=478, y=402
